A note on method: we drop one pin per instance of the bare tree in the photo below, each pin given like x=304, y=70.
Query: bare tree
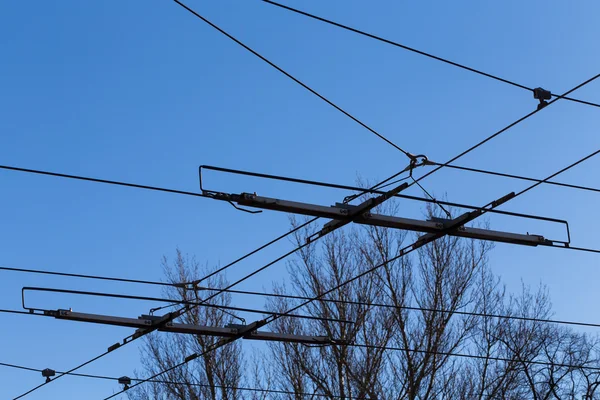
x=215, y=375
x=410, y=318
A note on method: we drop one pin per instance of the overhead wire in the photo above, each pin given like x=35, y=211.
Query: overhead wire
x=401, y=253
x=172, y=315
x=293, y=78
x=338, y=108
x=520, y=177
x=225, y=341
x=171, y=382
x=408, y=249
x=420, y=52
x=420, y=242
x=337, y=301
x=403, y=151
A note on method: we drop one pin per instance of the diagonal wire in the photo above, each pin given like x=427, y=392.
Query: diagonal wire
x=170, y=382
x=487, y=139
x=299, y=82
x=420, y=52
x=401, y=253
x=520, y=177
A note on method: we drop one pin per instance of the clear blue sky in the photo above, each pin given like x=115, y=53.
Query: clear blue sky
x=142, y=91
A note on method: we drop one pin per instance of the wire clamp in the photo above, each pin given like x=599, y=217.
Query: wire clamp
x=125, y=381
x=542, y=95
x=47, y=373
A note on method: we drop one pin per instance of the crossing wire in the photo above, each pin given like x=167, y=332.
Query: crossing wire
x=413, y=50
x=406, y=153
x=325, y=300
x=401, y=253
x=404, y=251
x=520, y=177
x=193, y=384
x=293, y=78
x=171, y=316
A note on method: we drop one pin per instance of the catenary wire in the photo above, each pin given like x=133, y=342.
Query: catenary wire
x=401, y=253
x=473, y=356
x=225, y=341
x=287, y=74
x=357, y=303
x=429, y=173
x=403, y=151
x=163, y=300
x=509, y=126
x=414, y=50
x=256, y=174
x=177, y=313
x=374, y=191
x=170, y=382
x=520, y=177
x=417, y=244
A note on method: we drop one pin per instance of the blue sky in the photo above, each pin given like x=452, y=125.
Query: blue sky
x=144, y=92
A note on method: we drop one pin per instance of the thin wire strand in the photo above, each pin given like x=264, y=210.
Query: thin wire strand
x=357, y=303
x=401, y=253
x=433, y=198
x=375, y=191
x=487, y=139
x=520, y=177
x=472, y=356
x=226, y=341
x=299, y=82
x=420, y=52
x=170, y=382
x=420, y=243
x=97, y=180
x=99, y=277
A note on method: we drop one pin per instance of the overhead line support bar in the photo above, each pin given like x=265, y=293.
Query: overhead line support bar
x=342, y=214
x=229, y=331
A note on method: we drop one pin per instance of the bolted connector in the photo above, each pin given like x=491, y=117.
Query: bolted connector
x=542, y=95
x=47, y=373
x=126, y=381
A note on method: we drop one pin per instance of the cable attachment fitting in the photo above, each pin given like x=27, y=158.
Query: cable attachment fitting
x=125, y=381
x=542, y=95
x=47, y=373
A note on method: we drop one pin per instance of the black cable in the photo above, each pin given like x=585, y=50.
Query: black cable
x=225, y=341
x=173, y=315
x=305, y=86
x=401, y=253
x=520, y=177
x=17, y=312
x=169, y=382
x=97, y=180
x=429, y=238
x=63, y=374
x=310, y=221
x=411, y=49
x=559, y=172
x=432, y=198
x=70, y=275
x=473, y=356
